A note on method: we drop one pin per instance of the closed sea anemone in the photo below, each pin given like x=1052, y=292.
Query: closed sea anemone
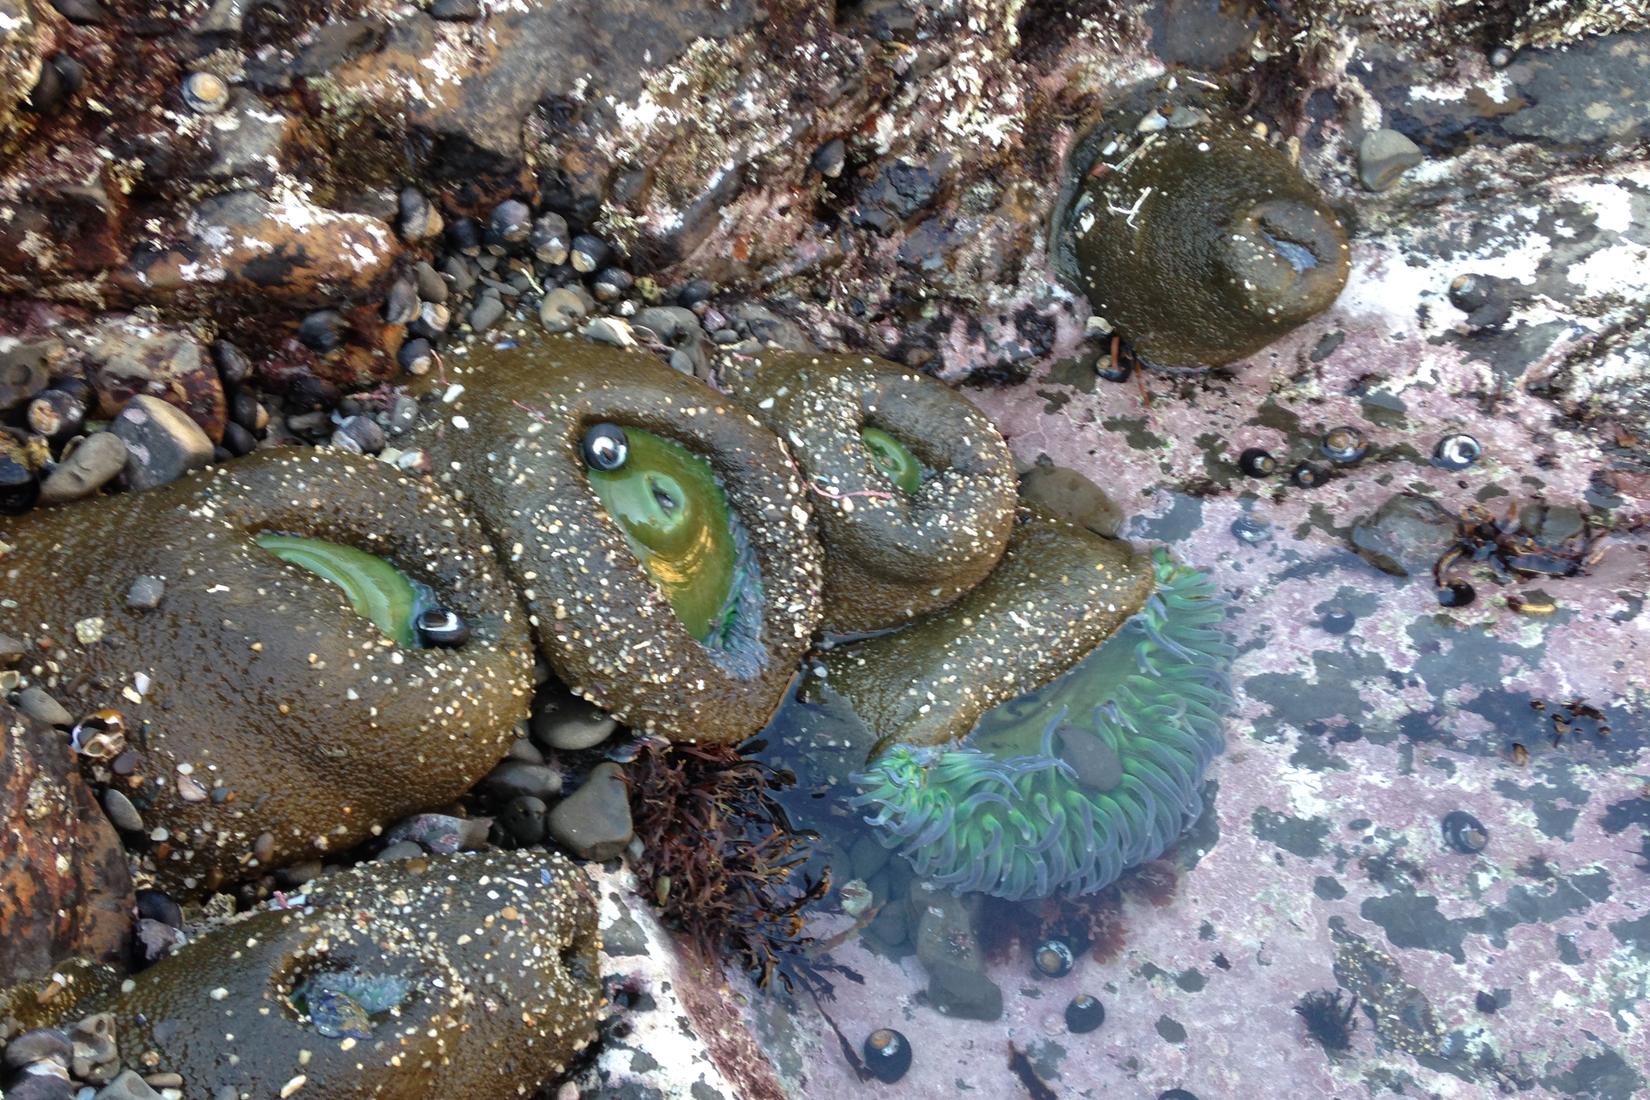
x=1069, y=785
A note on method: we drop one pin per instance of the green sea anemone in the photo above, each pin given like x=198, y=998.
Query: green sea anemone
x=912, y=486
x=1195, y=239
x=376, y=589
x=659, y=535
x=1066, y=787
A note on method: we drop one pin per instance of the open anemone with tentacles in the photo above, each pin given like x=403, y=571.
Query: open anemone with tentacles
x=1072, y=783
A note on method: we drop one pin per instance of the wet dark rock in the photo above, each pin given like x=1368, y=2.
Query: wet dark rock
x=589, y=253
x=41, y=1087
x=127, y=1086
x=440, y=834
x=512, y=779
x=323, y=330
x=1385, y=155
x=460, y=10
x=121, y=812
x=126, y=357
x=1338, y=620
x=96, y=1057
x=25, y=370
x=569, y=723
x=248, y=143
x=887, y=1054
x=510, y=223
x=38, y=704
x=897, y=194
x=1405, y=536
x=416, y=356
x=58, y=414
x=1070, y=496
x=162, y=444
x=361, y=434
x=84, y=13
x=525, y=821
x=951, y=956
x=1084, y=1014
x=94, y=462
x=402, y=304
x=418, y=219
x=488, y=312
x=550, y=240
x=19, y=487
x=828, y=159
x=594, y=821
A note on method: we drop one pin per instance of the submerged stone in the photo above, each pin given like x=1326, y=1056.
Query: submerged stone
x=260, y=703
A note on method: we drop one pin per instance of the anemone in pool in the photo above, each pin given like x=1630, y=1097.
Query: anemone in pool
x=1070, y=785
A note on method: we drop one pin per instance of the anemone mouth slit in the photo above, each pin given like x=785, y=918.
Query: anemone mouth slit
x=1297, y=255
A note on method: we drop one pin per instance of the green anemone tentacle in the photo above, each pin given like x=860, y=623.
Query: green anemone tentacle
x=1020, y=819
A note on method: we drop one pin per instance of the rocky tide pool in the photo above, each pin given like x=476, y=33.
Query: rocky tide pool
x=905, y=547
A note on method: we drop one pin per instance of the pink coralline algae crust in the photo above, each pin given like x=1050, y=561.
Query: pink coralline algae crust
x=1346, y=750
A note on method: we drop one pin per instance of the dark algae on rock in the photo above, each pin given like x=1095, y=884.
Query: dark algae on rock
x=271, y=723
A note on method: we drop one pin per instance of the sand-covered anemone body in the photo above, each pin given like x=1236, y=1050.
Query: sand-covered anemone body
x=270, y=721
x=471, y=976
x=912, y=485
x=1193, y=238
x=705, y=659
x=1067, y=786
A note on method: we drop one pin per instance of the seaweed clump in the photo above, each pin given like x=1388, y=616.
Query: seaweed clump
x=728, y=871
x=1328, y=1020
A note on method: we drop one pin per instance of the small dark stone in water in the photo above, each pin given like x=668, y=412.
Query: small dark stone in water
x=1344, y=445
x=829, y=158
x=525, y=821
x=323, y=330
x=887, y=1054
x=1486, y=1002
x=19, y=488
x=1084, y=1014
x=155, y=905
x=440, y=628
x=1176, y=1094
x=1053, y=959
x=1465, y=833
x=1308, y=476
x=1456, y=452
x=1096, y=763
x=1257, y=462
x=1456, y=594
x=612, y=284
x=549, y=239
x=360, y=434
x=1251, y=529
x=694, y=292
x=1338, y=620
x=605, y=447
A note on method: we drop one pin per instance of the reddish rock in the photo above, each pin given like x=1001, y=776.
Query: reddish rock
x=281, y=251
x=62, y=870
x=125, y=357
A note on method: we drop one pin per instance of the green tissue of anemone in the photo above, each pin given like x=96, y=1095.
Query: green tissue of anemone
x=676, y=519
x=1067, y=786
x=376, y=589
x=893, y=459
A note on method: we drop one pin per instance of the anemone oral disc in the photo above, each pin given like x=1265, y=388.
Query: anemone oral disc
x=376, y=589
x=675, y=517
x=897, y=463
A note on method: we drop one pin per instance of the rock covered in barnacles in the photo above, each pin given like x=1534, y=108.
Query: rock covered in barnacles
x=273, y=722
x=914, y=487
x=62, y=871
x=1193, y=238
x=471, y=976
x=519, y=440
